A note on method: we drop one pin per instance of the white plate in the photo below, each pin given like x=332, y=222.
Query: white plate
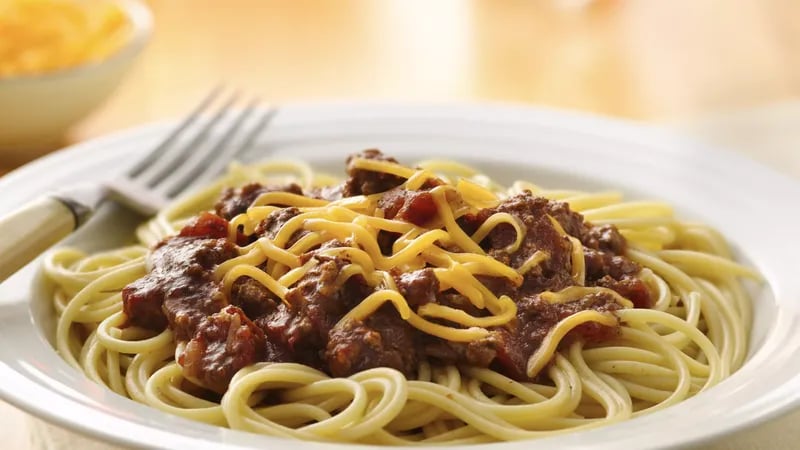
x=751, y=205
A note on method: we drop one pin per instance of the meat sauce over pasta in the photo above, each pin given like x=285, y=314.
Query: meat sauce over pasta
x=226, y=332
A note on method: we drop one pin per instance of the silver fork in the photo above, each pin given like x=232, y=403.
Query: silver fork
x=169, y=170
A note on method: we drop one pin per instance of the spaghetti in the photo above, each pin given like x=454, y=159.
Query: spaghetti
x=424, y=305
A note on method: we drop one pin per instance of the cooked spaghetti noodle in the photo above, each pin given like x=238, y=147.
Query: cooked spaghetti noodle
x=424, y=305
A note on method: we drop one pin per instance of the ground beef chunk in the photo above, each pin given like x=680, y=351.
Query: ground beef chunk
x=307, y=256
x=366, y=182
x=235, y=201
x=603, y=249
x=571, y=221
x=629, y=287
x=142, y=301
x=271, y=225
x=511, y=346
x=418, y=287
x=188, y=303
x=252, y=297
x=382, y=340
x=605, y=238
x=600, y=264
x=535, y=318
x=603, y=252
x=314, y=305
x=291, y=336
x=478, y=353
x=417, y=207
x=540, y=235
x=179, y=289
x=224, y=343
x=616, y=272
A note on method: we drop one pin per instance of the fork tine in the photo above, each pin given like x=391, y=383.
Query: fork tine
x=262, y=123
x=175, y=157
x=230, y=152
x=219, y=151
x=156, y=152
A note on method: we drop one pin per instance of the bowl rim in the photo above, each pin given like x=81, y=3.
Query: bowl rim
x=141, y=20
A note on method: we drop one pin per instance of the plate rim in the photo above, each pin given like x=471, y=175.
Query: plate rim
x=614, y=129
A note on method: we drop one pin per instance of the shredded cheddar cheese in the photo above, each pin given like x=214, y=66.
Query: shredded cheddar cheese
x=42, y=36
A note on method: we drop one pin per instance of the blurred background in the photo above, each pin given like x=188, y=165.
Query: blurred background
x=680, y=62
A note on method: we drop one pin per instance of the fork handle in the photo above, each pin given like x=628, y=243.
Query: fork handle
x=29, y=231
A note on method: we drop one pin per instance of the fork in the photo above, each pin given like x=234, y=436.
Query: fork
x=167, y=171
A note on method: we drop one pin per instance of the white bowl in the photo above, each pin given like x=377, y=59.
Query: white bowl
x=37, y=110
x=554, y=149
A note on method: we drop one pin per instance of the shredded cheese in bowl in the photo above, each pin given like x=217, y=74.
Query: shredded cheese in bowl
x=43, y=36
